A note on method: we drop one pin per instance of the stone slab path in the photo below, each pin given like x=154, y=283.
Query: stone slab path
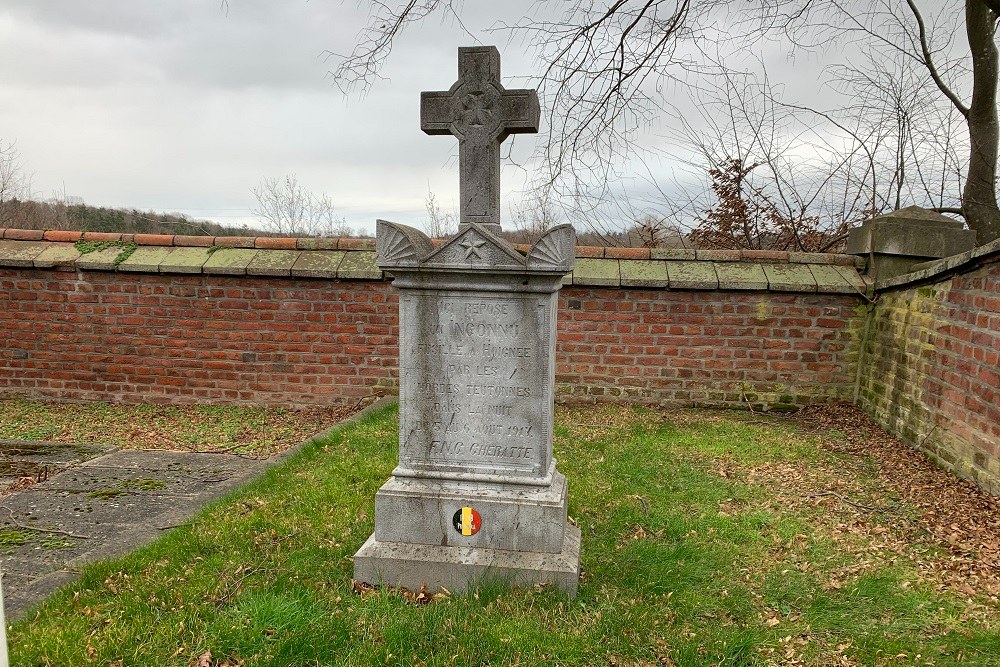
x=98, y=502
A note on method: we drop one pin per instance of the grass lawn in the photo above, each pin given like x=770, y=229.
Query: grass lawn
x=708, y=539
x=249, y=430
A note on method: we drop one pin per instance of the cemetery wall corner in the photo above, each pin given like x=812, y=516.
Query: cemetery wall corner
x=930, y=370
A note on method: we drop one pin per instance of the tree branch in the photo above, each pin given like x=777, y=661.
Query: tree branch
x=929, y=62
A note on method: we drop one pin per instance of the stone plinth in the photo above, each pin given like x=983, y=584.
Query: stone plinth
x=899, y=240
x=476, y=494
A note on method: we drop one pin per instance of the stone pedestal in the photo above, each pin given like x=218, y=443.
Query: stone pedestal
x=897, y=241
x=476, y=494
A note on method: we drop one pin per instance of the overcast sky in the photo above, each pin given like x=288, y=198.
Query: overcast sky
x=184, y=106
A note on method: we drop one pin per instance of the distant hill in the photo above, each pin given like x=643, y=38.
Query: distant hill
x=58, y=215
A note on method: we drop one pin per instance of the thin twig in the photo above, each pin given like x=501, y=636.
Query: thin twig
x=227, y=450
x=848, y=501
x=54, y=531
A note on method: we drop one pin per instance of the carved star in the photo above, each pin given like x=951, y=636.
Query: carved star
x=472, y=247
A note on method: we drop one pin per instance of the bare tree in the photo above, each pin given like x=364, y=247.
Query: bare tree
x=12, y=181
x=535, y=215
x=902, y=32
x=439, y=223
x=292, y=210
x=605, y=72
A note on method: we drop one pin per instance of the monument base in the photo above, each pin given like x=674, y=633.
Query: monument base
x=459, y=569
x=514, y=517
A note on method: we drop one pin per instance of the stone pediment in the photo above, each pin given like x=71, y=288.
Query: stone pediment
x=475, y=248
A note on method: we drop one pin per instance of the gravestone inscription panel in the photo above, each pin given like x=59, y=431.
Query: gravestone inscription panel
x=481, y=379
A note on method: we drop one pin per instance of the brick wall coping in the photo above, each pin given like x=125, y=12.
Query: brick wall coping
x=354, y=259
x=938, y=269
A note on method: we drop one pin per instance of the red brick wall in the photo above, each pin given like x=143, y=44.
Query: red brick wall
x=716, y=348
x=171, y=338
x=182, y=339
x=931, y=370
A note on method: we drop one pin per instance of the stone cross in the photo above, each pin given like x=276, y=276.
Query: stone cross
x=481, y=113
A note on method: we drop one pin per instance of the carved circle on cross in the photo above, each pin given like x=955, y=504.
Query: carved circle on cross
x=476, y=108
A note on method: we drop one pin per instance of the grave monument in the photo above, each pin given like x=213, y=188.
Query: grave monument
x=476, y=495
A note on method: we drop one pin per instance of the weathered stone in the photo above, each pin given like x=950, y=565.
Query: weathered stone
x=229, y=261
x=105, y=259
x=318, y=264
x=942, y=266
x=60, y=255
x=829, y=279
x=718, y=255
x=107, y=502
x=481, y=113
x=460, y=569
x=692, y=275
x=359, y=265
x=912, y=235
x=146, y=259
x=21, y=253
x=598, y=272
x=789, y=278
x=521, y=518
x=644, y=273
x=681, y=254
x=273, y=263
x=476, y=350
x=740, y=275
x=476, y=493
x=185, y=260
x=317, y=243
x=853, y=278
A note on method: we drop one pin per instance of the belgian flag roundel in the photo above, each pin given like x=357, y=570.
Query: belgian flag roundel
x=467, y=521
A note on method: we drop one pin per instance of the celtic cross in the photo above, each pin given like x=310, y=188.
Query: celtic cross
x=481, y=113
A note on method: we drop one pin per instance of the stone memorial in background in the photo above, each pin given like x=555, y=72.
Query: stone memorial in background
x=476, y=494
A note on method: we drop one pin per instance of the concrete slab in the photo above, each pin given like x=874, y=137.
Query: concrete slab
x=740, y=275
x=21, y=253
x=145, y=259
x=273, y=263
x=59, y=255
x=100, y=260
x=101, y=507
x=692, y=275
x=229, y=261
x=789, y=278
x=51, y=453
x=318, y=264
x=597, y=272
x=359, y=265
x=644, y=273
x=184, y=260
